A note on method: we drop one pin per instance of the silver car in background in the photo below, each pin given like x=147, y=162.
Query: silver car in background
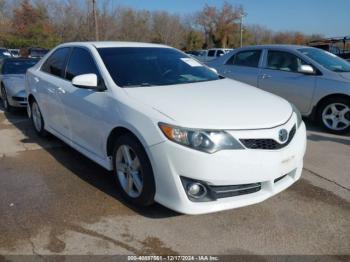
x=315, y=81
x=12, y=74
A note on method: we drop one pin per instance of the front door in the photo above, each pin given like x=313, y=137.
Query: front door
x=86, y=109
x=281, y=76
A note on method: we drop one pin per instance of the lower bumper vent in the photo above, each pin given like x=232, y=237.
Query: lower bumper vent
x=235, y=190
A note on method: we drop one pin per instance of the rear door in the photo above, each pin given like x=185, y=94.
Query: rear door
x=243, y=66
x=281, y=76
x=50, y=81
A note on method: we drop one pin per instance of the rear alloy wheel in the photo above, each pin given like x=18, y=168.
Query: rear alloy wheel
x=133, y=171
x=334, y=115
x=5, y=102
x=37, y=119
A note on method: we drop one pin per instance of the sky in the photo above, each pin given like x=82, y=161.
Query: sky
x=328, y=17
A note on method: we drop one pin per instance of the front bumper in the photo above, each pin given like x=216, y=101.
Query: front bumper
x=226, y=167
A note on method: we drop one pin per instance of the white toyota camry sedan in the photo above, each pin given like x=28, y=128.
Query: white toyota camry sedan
x=171, y=129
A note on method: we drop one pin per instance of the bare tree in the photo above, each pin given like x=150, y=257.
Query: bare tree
x=168, y=29
x=95, y=19
x=75, y=20
x=221, y=25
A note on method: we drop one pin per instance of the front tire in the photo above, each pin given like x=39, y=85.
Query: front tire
x=5, y=101
x=133, y=171
x=334, y=115
x=37, y=119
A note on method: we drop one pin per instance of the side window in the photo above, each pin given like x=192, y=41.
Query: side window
x=231, y=60
x=284, y=61
x=211, y=53
x=80, y=62
x=54, y=65
x=219, y=53
x=247, y=58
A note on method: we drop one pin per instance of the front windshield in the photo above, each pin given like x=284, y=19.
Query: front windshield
x=326, y=59
x=148, y=66
x=17, y=67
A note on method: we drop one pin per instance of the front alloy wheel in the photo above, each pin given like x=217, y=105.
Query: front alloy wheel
x=37, y=119
x=129, y=171
x=133, y=171
x=335, y=116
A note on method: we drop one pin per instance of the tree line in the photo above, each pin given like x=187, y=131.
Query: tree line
x=42, y=23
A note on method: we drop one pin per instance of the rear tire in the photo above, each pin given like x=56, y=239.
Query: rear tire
x=37, y=119
x=333, y=115
x=5, y=101
x=133, y=171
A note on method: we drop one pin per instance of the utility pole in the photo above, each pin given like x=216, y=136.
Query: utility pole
x=95, y=19
x=242, y=15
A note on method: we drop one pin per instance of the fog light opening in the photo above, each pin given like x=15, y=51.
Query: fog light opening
x=196, y=190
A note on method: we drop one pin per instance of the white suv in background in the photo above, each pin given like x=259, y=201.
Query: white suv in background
x=171, y=129
x=212, y=54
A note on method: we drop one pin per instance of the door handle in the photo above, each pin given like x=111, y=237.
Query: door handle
x=61, y=90
x=36, y=79
x=265, y=76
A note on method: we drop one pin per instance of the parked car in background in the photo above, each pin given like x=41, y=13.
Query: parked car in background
x=212, y=54
x=14, y=52
x=4, y=52
x=315, y=81
x=33, y=52
x=197, y=53
x=12, y=73
x=334, y=45
x=170, y=129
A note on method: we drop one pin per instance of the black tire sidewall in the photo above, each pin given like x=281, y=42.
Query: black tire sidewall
x=4, y=98
x=321, y=108
x=148, y=191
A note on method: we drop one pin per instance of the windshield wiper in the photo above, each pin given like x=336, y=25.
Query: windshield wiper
x=341, y=71
x=139, y=85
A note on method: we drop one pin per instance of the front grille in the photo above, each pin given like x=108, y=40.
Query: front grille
x=267, y=144
x=235, y=190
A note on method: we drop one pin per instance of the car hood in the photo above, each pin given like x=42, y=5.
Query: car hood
x=221, y=104
x=14, y=84
x=14, y=80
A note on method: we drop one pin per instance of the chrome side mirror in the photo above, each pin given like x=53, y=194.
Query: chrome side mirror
x=214, y=70
x=306, y=69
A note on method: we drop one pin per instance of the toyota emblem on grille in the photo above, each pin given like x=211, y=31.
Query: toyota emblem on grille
x=283, y=135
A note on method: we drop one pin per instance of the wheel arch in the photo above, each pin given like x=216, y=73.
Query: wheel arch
x=31, y=98
x=119, y=131
x=324, y=99
x=337, y=95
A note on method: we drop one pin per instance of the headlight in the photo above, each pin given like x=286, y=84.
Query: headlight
x=209, y=141
x=297, y=112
